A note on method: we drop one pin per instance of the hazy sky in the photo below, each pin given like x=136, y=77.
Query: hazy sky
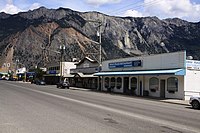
x=185, y=9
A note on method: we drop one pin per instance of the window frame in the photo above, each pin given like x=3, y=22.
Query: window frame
x=154, y=81
x=134, y=85
x=119, y=84
x=112, y=83
x=106, y=82
x=174, y=85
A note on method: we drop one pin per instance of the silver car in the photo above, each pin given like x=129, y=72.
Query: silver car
x=195, y=102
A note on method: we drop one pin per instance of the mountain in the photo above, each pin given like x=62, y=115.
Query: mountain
x=34, y=37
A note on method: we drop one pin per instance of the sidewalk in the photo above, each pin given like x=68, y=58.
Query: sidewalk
x=176, y=101
x=172, y=101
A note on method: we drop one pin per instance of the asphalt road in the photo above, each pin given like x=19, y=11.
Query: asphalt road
x=30, y=108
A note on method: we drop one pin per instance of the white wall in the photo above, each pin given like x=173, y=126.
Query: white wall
x=66, y=66
x=159, y=61
x=179, y=94
x=145, y=81
x=192, y=83
x=115, y=89
x=153, y=94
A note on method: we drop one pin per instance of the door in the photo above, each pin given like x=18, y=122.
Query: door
x=162, y=88
x=133, y=85
x=126, y=85
x=140, y=91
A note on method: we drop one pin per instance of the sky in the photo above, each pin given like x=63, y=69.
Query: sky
x=184, y=9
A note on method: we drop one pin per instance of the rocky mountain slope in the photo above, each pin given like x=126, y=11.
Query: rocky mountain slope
x=34, y=37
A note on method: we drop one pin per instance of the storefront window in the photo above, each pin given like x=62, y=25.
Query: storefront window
x=106, y=83
x=172, y=84
x=153, y=84
x=133, y=83
x=112, y=84
x=119, y=83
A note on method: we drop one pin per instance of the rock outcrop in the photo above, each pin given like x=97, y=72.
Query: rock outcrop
x=35, y=36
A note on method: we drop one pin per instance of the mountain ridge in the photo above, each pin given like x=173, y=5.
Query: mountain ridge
x=29, y=32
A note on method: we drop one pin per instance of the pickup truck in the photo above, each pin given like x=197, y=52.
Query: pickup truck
x=63, y=85
x=195, y=102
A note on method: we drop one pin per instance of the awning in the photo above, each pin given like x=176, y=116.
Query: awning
x=147, y=72
x=58, y=75
x=85, y=75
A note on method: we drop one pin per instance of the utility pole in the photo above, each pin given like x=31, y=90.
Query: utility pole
x=100, y=38
x=100, y=50
x=100, y=47
x=62, y=48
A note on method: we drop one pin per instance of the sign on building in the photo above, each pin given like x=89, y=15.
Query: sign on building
x=136, y=63
x=193, y=64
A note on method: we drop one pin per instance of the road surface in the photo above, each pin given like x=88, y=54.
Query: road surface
x=30, y=108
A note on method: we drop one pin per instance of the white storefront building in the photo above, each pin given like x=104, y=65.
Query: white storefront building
x=168, y=75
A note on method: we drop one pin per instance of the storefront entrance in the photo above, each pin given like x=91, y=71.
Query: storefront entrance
x=126, y=85
x=162, y=88
x=133, y=85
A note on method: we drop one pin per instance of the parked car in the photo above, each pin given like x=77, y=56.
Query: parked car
x=195, y=102
x=63, y=85
x=40, y=82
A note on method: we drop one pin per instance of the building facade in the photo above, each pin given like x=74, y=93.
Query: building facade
x=56, y=70
x=168, y=75
x=83, y=74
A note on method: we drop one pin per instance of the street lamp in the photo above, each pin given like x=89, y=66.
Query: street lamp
x=16, y=67
x=62, y=48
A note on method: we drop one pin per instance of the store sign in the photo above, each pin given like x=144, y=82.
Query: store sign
x=192, y=64
x=136, y=63
x=52, y=72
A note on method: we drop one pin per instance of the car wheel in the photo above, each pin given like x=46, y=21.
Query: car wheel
x=195, y=104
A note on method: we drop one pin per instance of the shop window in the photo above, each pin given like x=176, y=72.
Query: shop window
x=119, y=83
x=112, y=82
x=106, y=83
x=172, y=84
x=153, y=84
x=133, y=83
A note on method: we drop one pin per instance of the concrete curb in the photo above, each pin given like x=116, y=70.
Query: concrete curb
x=186, y=103
x=172, y=101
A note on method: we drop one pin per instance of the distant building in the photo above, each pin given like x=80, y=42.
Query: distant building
x=21, y=74
x=84, y=73
x=53, y=73
x=168, y=75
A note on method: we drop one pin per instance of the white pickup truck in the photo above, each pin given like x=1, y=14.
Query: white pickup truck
x=195, y=102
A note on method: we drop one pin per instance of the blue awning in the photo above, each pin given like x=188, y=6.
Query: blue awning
x=147, y=72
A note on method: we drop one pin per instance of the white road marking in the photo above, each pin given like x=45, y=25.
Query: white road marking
x=134, y=115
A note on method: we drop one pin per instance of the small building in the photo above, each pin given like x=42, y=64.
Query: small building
x=84, y=73
x=168, y=75
x=21, y=74
x=53, y=74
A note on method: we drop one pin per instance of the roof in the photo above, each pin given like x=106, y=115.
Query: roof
x=86, y=58
x=85, y=75
x=146, y=72
x=66, y=75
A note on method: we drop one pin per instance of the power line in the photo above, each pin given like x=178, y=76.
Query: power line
x=124, y=7
x=149, y=4
x=136, y=5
